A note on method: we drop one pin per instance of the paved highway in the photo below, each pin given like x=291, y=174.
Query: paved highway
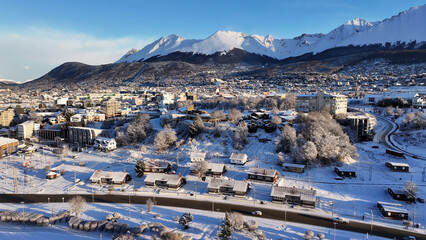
x=271, y=213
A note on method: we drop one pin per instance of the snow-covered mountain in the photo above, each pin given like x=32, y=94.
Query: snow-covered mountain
x=407, y=26
x=8, y=82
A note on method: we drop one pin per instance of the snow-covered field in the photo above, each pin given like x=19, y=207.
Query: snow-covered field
x=204, y=226
x=350, y=198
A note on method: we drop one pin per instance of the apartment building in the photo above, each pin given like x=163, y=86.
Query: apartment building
x=337, y=103
x=6, y=117
x=28, y=129
x=112, y=108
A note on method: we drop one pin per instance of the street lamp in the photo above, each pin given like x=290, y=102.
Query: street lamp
x=23, y=212
x=63, y=200
x=334, y=223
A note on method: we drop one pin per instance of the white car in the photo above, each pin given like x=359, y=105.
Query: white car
x=256, y=213
x=340, y=220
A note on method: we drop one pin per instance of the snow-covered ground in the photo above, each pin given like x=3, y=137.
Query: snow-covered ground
x=351, y=198
x=204, y=226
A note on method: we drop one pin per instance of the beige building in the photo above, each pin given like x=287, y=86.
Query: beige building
x=6, y=117
x=338, y=104
x=112, y=108
x=27, y=129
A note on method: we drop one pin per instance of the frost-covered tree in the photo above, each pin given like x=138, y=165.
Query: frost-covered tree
x=236, y=220
x=410, y=117
x=217, y=116
x=308, y=152
x=288, y=139
x=196, y=127
x=389, y=111
x=165, y=139
x=138, y=129
x=411, y=189
x=139, y=168
x=240, y=136
x=77, y=205
x=234, y=115
x=276, y=120
x=309, y=235
x=149, y=205
x=419, y=113
x=201, y=168
x=280, y=158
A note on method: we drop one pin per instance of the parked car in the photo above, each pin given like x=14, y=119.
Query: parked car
x=409, y=238
x=256, y=213
x=340, y=220
x=420, y=200
x=339, y=178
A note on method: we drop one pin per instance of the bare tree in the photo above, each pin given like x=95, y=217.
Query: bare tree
x=167, y=235
x=201, y=168
x=410, y=117
x=36, y=117
x=309, y=152
x=77, y=205
x=234, y=115
x=308, y=235
x=419, y=113
x=149, y=205
x=411, y=189
x=165, y=139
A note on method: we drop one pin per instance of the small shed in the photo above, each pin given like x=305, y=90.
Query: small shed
x=52, y=175
x=392, y=210
x=398, y=167
x=345, y=172
x=291, y=167
x=238, y=158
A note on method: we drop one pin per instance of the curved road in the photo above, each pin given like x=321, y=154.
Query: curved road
x=271, y=213
x=385, y=137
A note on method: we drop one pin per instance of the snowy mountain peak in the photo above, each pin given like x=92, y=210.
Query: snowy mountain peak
x=407, y=26
x=358, y=22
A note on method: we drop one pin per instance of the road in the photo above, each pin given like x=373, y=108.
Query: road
x=270, y=213
x=385, y=137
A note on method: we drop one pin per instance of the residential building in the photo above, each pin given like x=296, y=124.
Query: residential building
x=8, y=146
x=112, y=108
x=105, y=144
x=164, y=180
x=291, y=167
x=156, y=166
x=399, y=194
x=238, y=158
x=6, y=117
x=213, y=169
x=398, y=167
x=104, y=177
x=293, y=195
x=337, y=103
x=197, y=156
x=85, y=135
x=263, y=174
x=228, y=187
x=361, y=126
x=28, y=129
x=392, y=210
x=345, y=172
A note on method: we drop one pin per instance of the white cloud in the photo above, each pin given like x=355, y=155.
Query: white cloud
x=39, y=50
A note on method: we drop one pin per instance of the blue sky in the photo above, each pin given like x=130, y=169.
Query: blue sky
x=38, y=35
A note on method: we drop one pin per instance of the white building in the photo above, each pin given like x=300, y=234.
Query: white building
x=105, y=144
x=28, y=129
x=337, y=103
x=238, y=158
x=197, y=156
x=103, y=177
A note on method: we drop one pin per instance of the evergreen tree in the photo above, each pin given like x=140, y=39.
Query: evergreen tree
x=139, y=168
x=226, y=228
x=186, y=219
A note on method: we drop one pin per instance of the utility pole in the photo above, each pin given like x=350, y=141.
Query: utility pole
x=177, y=159
x=371, y=222
x=334, y=223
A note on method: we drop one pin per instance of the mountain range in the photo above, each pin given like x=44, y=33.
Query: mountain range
x=407, y=29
